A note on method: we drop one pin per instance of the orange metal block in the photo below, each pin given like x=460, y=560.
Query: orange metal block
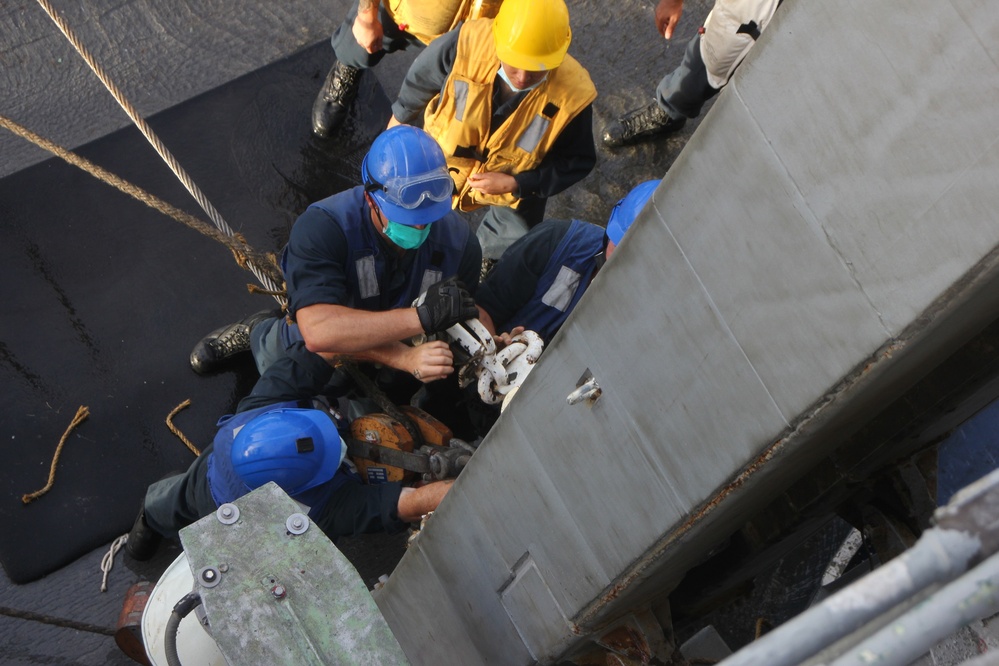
x=383, y=430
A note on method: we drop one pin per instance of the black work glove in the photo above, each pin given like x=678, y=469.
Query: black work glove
x=445, y=303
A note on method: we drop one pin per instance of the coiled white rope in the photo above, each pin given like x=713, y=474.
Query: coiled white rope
x=181, y=174
x=107, y=562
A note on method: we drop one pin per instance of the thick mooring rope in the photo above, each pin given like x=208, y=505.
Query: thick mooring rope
x=188, y=183
x=81, y=414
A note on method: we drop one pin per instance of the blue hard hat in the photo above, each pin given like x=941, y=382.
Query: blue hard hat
x=298, y=449
x=406, y=173
x=628, y=208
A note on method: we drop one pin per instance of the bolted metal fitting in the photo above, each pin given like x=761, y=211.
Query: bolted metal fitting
x=589, y=391
x=209, y=577
x=438, y=466
x=227, y=514
x=297, y=523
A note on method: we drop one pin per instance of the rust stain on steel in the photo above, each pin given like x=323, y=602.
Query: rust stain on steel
x=627, y=641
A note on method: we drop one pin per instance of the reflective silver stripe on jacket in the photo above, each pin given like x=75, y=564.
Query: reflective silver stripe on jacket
x=367, y=279
x=430, y=277
x=532, y=136
x=460, y=99
x=560, y=294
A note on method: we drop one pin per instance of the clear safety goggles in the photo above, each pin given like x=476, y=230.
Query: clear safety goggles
x=410, y=192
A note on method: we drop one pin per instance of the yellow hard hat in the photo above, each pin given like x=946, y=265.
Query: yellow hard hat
x=532, y=34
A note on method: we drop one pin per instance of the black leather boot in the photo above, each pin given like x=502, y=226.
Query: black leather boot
x=641, y=124
x=334, y=99
x=143, y=540
x=215, y=349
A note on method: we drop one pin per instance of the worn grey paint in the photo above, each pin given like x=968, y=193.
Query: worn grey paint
x=283, y=597
x=826, y=236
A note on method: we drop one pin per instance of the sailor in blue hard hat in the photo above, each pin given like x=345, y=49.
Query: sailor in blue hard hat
x=277, y=435
x=541, y=277
x=625, y=211
x=356, y=261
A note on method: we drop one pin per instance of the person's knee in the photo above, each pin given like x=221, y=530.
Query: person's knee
x=266, y=344
x=500, y=227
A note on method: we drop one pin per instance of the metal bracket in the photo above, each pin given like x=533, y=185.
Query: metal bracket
x=587, y=390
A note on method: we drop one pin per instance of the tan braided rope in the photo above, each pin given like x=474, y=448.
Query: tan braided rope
x=270, y=285
x=762, y=627
x=242, y=252
x=175, y=430
x=81, y=414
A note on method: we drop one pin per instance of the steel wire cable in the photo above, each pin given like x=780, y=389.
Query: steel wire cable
x=157, y=145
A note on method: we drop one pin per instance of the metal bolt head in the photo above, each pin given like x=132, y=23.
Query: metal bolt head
x=279, y=592
x=438, y=466
x=297, y=523
x=227, y=514
x=209, y=577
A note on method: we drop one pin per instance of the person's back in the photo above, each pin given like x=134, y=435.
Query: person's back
x=540, y=278
x=280, y=433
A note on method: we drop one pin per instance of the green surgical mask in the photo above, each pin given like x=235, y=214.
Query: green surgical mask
x=408, y=238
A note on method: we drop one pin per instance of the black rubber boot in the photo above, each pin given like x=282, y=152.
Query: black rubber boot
x=334, y=99
x=143, y=540
x=641, y=124
x=215, y=349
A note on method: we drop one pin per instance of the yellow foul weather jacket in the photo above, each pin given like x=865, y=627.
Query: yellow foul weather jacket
x=429, y=19
x=459, y=117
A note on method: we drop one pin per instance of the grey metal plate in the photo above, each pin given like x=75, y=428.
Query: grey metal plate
x=763, y=261
x=452, y=628
x=282, y=597
x=806, y=224
x=902, y=129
